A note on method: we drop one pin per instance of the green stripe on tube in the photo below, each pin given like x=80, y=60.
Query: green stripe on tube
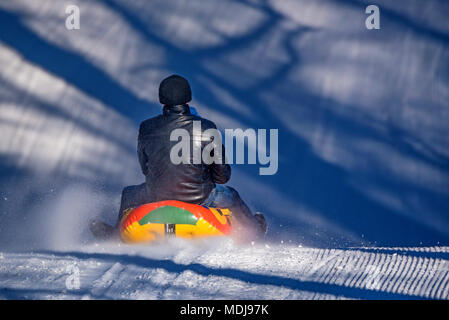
x=169, y=215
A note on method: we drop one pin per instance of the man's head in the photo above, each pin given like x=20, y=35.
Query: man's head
x=174, y=90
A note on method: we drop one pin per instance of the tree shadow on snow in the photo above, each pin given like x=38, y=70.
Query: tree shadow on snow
x=304, y=178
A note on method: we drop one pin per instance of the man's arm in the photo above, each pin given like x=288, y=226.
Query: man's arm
x=221, y=172
x=141, y=155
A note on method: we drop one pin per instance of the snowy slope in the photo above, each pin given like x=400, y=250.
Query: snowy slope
x=363, y=154
x=222, y=271
x=362, y=115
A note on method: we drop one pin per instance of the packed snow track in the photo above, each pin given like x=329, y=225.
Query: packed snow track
x=221, y=270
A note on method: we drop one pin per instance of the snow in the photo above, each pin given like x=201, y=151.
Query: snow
x=223, y=270
x=359, y=206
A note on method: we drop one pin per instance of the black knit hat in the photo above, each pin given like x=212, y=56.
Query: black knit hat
x=174, y=90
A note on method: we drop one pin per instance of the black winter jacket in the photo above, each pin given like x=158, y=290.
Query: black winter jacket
x=167, y=181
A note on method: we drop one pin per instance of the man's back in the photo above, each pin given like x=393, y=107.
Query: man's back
x=182, y=178
x=166, y=180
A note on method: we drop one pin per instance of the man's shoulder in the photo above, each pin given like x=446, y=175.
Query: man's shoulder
x=153, y=122
x=205, y=123
x=150, y=121
x=149, y=125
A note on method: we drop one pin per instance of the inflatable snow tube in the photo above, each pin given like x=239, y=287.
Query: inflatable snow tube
x=155, y=221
